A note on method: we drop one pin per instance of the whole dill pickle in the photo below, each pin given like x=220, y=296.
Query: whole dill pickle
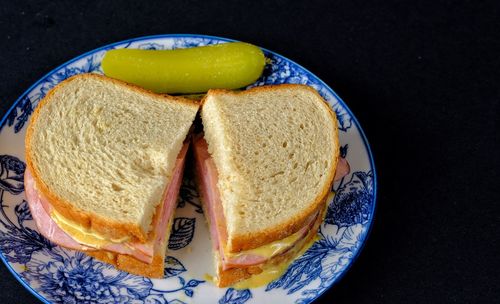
x=192, y=70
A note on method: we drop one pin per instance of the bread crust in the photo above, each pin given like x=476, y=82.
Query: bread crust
x=111, y=229
x=131, y=265
x=240, y=242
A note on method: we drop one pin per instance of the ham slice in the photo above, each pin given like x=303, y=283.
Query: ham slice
x=41, y=208
x=205, y=166
x=342, y=170
x=46, y=225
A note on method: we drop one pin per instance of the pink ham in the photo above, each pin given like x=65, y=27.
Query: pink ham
x=46, y=225
x=207, y=190
x=40, y=209
x=342, y=170
x=208, y=175
x=171, y=196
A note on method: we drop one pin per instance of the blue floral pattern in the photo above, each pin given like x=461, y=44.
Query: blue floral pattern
x=11, y=174
x=188, y=195
x=193, y=41
x=352, y=203
x=64, y=276
x=235, y=296
x=151, y=46
x=77, y=278
x=173, y=267
x=18, y=242
x=19, y=119
x=182, y=233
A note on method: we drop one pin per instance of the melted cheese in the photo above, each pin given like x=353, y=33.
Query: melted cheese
x=210, y=278
x=82, y=235
x=271, y=249
x=273, y=272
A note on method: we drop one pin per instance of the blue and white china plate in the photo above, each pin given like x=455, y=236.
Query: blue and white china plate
x=57, y=275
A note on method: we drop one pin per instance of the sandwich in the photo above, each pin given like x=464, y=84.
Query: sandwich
x=265, y=164
x=105, y=161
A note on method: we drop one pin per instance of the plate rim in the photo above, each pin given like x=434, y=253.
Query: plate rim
x=179, y=35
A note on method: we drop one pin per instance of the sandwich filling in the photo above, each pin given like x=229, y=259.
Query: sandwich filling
x=69, y=234
x=215, y=214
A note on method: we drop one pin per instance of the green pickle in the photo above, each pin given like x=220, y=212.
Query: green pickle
x=193, y=70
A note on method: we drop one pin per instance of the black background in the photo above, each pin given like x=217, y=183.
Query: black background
x=422, y=79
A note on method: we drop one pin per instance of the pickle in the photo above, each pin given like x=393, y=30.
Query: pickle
x=193, y=70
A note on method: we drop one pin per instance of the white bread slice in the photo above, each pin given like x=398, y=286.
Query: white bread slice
x=276, y=151
x=103, y=151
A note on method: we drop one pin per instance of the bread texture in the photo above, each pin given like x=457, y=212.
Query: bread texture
x=103, y=151
x=276, y=151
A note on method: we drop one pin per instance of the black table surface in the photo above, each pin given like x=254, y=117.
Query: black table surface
x=421, y=77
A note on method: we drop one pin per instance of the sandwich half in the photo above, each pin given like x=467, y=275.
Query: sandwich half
x=265, y=166
x=104, y=166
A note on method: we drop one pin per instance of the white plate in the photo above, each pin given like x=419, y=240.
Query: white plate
x=54, y=274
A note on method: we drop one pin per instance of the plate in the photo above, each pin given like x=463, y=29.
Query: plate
x=57, y=275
